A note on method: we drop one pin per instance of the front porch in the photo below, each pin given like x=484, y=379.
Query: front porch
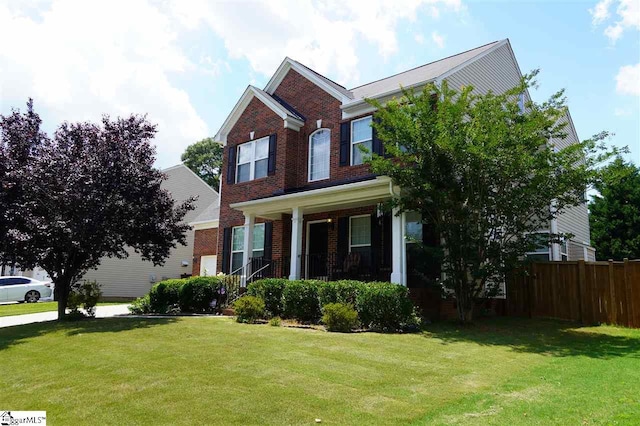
x=330, y=234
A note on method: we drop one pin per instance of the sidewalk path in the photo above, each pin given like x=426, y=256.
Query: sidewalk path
x=101, y=312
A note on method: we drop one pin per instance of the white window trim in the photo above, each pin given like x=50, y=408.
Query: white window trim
x=358, y=245
x=233, y=231
x=328, y=159
x=353, y=143
x=252, y=162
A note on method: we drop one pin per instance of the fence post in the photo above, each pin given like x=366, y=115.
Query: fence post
x=582, y=284
x=532, y=280
x=612, y=292
x=628, y=286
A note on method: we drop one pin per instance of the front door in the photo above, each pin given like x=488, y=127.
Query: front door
x=318, y=248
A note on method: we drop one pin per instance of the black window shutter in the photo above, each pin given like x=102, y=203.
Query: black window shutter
x=272, y=155
x=268, y=240
x=231, y=165
x=345, y=143
x=386, y=237
x=226, y=250
x=377, y=145
x=376, y=240
x=343, y=234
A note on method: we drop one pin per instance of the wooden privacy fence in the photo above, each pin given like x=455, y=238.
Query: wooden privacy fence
x=589, y=292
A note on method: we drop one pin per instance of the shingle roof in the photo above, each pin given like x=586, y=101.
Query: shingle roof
x=332, y=83
x=288, y=109
x=421, y=74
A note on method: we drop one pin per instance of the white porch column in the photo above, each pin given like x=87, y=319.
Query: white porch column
x=296, y=243
x=398, y=273
x=249, y=221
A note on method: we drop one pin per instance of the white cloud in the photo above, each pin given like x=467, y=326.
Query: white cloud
x=628, y=13
x=419, y=38
x=324, y=35
x=80, y=59
x=628, y=80
x=437, y=39
x=600, y=13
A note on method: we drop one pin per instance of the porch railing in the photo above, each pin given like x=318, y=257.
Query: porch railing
x=362, y=265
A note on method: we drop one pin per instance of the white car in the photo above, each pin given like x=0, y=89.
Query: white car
x=23, y=289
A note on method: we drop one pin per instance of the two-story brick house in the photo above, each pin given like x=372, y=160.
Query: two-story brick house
x=298, y=200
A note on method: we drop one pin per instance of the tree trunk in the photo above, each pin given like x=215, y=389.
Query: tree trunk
x=464, y=306
x=61, y=295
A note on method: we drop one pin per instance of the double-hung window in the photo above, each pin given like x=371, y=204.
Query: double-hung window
x=361, y=136
x=542, y=251
x=413, y=227
x=360, y=234
x=253, y=159
x=319, y=149
x=237, y=245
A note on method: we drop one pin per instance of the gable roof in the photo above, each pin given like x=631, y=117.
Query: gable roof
x=210, y=214
x=331, y=87
x=291, y=118
x=423, y=73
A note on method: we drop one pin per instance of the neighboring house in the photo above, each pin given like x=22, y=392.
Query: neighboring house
x=205, y=247
x=297, y=200
x=133, y=277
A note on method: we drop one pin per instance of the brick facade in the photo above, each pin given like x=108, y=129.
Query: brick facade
x=205, y=244
x=292, y=153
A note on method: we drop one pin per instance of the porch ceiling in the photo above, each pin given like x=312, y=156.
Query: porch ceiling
x=321, y=200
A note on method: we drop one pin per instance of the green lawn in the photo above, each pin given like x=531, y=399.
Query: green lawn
x=34, y=308
x=214, y=371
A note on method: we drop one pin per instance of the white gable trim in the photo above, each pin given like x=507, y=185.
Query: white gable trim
x=472, y=60
x=241, y=105
x=289, y=64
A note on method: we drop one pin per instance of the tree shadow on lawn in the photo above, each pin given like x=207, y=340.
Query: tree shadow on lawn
x=11, y=336
x=550, y=337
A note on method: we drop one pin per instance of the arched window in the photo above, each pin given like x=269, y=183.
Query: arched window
x=319, y=149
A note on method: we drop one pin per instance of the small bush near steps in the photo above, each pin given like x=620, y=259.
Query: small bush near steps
x=249, y=309
x=339, y=317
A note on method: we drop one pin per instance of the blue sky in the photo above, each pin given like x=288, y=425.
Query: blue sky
x=185, y=63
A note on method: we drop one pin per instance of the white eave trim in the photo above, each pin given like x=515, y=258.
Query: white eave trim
x=288, y=64
x=321, y=199
x=238, y=109
x=204, y=224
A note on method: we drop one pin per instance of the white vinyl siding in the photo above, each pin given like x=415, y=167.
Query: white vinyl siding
x=253, y=158
x=319, y=154
x=361, y=136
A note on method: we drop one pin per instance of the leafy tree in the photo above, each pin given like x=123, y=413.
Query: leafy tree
x=205, y=159
x=484, y=175
x=88, y=192
x=615, y=212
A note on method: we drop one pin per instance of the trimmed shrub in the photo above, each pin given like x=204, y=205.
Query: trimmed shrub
x=275, y=322
x=141, y=306
x=249, y=309
x=339, y=317
x=199, y=294
x=270, y=290
x=300, y=300
x=165, y=296
x=385, y=306
x=344, y=291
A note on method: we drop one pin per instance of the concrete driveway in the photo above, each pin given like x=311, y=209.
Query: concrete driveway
x=101, y=312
